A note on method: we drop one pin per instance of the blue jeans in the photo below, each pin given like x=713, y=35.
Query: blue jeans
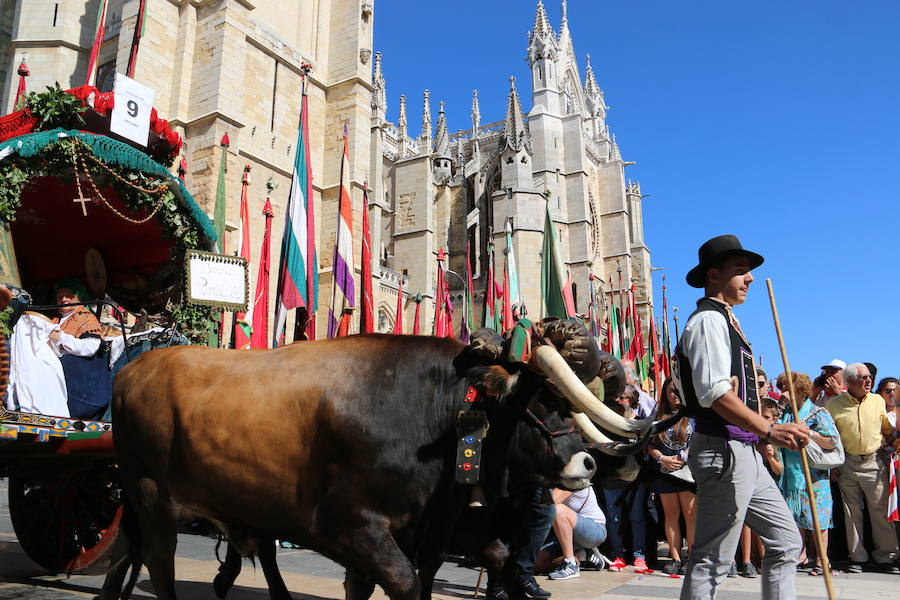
x=539, y=526
x=612, y=493
x=587, y=534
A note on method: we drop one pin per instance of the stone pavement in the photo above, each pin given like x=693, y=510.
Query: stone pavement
x=311, y=577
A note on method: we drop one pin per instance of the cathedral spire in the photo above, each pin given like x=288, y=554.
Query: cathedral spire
x=401, y=123
x=565, y=15
x=442, y=141
x=476, y=113
x=379, y=94
x=565, y=38
x=614, y=153
x=460, y=149
x=426, y=120
x=591, y=88
x=542, y=28
x=515, y=129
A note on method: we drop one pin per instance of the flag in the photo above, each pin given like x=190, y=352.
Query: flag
x=243, y=328
x=139, y=27
x=260, y=336
x=416, y=317
x=515, y=293
x=592, y=307
x=367, y=314
x=468, y=319
x=568, y=296
x=20, y=91
x=893, y=512
x=507, y=313
x=616, y=335
x=219, y=210
x=440, y=298
x=398, y=322
x=666, y=346
x=655, y=353
x=182, y=169
x=553, y=297
x=99, y=33
x=298, y=273
x=342, y=288
x=491, y=318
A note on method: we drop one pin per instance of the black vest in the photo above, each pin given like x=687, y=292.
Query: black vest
x=742, y=369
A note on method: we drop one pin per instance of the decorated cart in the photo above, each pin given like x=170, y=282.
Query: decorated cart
x=78, y=200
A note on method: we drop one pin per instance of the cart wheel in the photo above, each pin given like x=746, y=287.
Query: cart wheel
x=66, y=524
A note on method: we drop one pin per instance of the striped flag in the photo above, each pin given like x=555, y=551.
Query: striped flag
x=440, y=298
x=468, y=318
x=592, y=307
x=99, y=33
x=244, y=329
x=367, y=314
x=298, y=273
x=343, y=292
x=893, y=512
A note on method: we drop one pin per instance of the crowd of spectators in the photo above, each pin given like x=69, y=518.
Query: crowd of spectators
x=615, y=524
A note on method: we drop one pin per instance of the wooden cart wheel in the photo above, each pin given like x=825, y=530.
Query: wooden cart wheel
x=66, y=524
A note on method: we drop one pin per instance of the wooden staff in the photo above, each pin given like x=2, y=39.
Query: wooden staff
x=823, y=554
x=478, y=583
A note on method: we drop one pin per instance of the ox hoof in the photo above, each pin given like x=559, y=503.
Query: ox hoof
x=221, y=584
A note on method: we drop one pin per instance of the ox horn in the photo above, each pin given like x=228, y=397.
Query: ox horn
x=554, y=366
x=604, y=444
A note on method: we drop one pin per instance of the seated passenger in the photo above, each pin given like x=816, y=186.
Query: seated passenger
x=79, y=330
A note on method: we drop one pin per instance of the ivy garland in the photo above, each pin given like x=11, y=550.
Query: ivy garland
x=178, y=225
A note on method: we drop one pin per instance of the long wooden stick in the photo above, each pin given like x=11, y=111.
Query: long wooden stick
x=823, y=552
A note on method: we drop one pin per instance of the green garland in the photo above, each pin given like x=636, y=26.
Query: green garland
x=176, y=221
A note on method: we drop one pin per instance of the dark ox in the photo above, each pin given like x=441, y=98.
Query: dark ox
x=330, y=444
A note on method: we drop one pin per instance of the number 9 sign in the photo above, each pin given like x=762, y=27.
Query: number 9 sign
x=130, y=117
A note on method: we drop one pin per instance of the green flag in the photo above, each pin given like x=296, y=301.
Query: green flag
x=552, y=273
x=219, y=210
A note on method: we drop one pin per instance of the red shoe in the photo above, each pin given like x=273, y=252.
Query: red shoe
x=617, y=565
x=640, y=566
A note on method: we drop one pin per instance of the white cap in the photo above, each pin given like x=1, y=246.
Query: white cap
x=835, y=363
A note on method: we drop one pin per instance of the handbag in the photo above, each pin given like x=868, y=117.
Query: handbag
x=824, y=460
x=684, y=473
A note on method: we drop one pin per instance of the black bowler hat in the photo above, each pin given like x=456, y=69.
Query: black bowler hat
x=714, y=252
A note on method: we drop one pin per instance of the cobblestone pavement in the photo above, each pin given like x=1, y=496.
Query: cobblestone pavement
x=309, y=576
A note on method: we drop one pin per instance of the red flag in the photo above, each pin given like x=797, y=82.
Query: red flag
x=568, y=298
x=182, y=169
x=440, y=297
x=508, y=322
x=20, y=91
x=260, y=336
x=367, y=314
x=416, y=318
x=98, y=41
x=656, y=357
x=242, y=329
x=343, y=328
x=398, y=322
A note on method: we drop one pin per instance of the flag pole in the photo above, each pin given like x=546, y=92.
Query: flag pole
x=811, y=494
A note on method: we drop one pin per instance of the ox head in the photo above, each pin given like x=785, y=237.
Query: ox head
x=557, y=384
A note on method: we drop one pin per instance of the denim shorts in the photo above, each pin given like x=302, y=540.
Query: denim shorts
x=587, y=534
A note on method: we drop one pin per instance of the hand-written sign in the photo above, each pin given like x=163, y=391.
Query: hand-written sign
x=217, y=280
x=130, y=116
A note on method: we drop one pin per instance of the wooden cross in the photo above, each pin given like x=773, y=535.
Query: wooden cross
x=83, y=201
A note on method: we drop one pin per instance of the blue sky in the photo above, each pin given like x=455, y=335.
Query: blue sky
x=776, y=121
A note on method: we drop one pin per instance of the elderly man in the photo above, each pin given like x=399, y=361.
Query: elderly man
x=862, y=421
x=646, y=403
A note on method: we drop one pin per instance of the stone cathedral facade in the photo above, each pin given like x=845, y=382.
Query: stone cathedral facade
x=234, y=66
x=441, y=189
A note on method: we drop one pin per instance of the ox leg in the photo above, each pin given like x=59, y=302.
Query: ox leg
x=266, y=554
x=371, y=549
x=158, y=537
x=357, y=586
x=228, y=572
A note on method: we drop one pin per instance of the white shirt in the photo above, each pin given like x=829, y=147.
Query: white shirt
x=707, y=345
x=646, y=404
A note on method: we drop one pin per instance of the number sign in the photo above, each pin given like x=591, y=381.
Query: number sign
x=131, y=114
x=217, y=280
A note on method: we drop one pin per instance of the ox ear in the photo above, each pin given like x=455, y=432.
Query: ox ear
x=492, y=380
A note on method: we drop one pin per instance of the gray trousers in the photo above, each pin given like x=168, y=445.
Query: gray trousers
x=867, y=476
x=733, y=486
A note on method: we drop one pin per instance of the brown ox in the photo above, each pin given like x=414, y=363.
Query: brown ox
x=335, y=444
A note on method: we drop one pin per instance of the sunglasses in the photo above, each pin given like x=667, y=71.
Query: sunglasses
x=864, y=377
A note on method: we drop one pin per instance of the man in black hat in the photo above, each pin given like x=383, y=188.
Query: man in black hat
x=715, y=375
